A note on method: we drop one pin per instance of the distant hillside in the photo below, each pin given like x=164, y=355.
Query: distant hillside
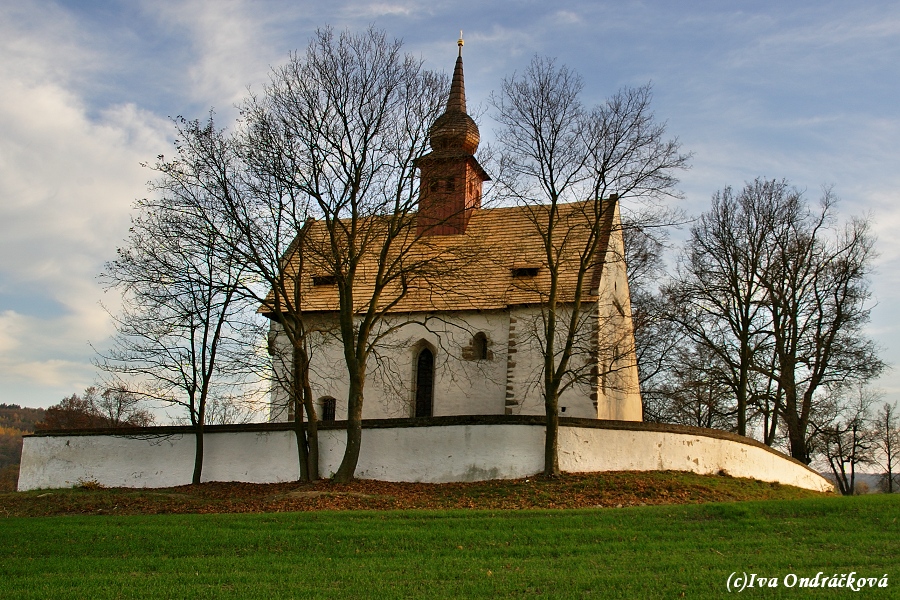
x=17, y=417
x=14, y=422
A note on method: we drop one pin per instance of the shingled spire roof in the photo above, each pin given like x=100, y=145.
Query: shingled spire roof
x=455, y=132
x=457, y=99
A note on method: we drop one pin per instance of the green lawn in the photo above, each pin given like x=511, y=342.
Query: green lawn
x=640, y=552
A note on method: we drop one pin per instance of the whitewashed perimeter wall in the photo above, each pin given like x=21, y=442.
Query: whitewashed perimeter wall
x=435, y=454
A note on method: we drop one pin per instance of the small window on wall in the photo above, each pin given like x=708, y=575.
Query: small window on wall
x=479, y=346
x=329, y=405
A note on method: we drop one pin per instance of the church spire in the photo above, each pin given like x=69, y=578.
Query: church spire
x=451, y=178
x=454, y=132
x=457, y=99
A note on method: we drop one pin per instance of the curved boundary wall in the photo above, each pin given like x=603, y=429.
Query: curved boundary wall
x=436, y=450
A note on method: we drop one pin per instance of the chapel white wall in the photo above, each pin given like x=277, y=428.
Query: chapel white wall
x=461, y=386
x=618, y=389
x=525, y=375
x=508, y=382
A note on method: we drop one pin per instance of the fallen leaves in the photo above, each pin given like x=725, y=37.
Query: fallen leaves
x=595, y=490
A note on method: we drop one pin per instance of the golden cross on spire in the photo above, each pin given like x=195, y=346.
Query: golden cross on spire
x=460, y=42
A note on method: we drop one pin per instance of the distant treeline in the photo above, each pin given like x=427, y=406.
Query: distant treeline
x=15, y=421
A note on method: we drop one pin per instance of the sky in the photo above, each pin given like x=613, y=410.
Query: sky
x=807, y=91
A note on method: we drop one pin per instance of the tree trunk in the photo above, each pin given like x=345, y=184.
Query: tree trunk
x=300, y=437
x=198, y=443
x=797, y=440
x=771, y=428
x=742, y=396
x=890, y=469
x=551, y=437
x=793, y=416
x=198, y=450
x=347, y=470
x=312, y=425
x=298, y=407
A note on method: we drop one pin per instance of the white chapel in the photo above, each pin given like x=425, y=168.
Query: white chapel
x=469, y=343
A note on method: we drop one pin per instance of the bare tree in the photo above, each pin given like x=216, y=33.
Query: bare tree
x=179, y=305
x=316, y=190
x=258, y=220
x=716, y=298
x=350, y=117
x=887, y=443
x=568, y=165
x=778, y=294
x=846, y=440
x=656, y=341
x=119, y=407
x=697, y=389
x=816, y=290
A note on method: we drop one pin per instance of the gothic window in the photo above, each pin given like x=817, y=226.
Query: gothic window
x=450, y=184
x=329, y=406
x=479, y=346
x=424, y=383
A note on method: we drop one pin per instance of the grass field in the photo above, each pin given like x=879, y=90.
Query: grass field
x=639, y=552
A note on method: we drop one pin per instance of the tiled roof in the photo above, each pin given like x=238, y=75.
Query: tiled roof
x=490, y=266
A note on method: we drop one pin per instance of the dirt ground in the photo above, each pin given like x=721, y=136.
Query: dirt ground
x=607, y=490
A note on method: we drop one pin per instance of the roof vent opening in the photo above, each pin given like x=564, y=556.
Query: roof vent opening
x=324, y=280
x=525, y=271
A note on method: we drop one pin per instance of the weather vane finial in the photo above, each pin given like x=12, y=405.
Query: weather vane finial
x=460, y=42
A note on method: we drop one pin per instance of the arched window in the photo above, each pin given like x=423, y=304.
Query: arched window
x=329, y=406
x=479, y=346
x=424, y=383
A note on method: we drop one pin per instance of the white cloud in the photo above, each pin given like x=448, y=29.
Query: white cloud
x=816, y=29
x=41, y=42
x=45, y=352
x=232, y=45
x=68, y=176
x=12, y=327
x=68, y=181
x=567, y=18
x=373, y=10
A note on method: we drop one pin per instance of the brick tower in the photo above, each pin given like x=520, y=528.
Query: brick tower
x=451, y=179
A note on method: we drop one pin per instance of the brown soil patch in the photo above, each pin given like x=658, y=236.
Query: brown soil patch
x=607, y=490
